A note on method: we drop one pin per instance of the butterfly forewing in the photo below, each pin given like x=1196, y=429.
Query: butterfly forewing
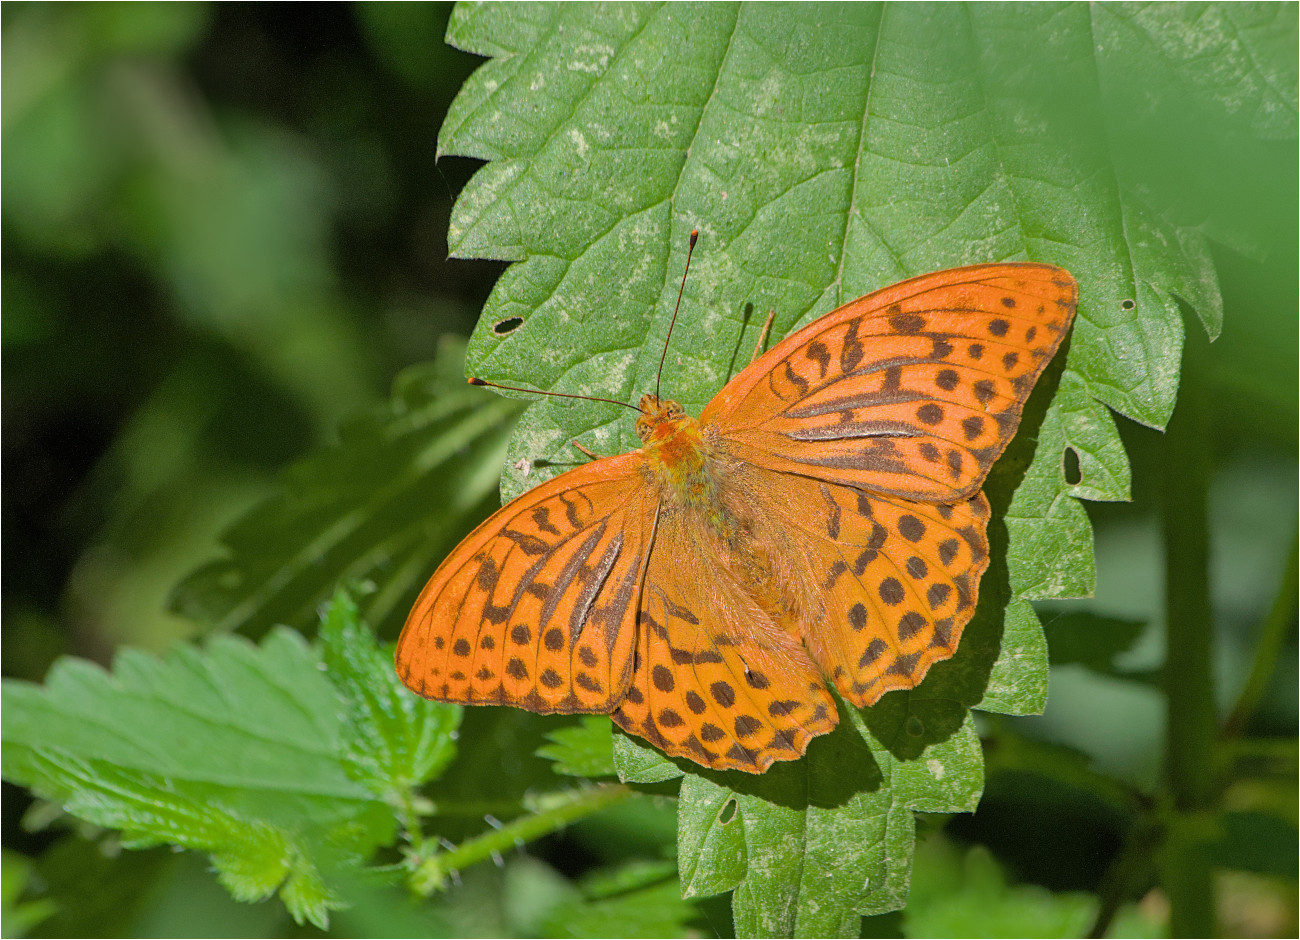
x=717, y=680
x=537, y=607
x=914, y=390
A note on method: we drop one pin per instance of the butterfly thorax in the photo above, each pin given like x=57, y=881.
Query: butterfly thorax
x=680, y=455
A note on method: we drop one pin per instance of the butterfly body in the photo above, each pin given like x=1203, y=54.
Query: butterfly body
x=678, y=457
x=821, y=524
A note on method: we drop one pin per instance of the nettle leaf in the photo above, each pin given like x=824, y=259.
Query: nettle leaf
x=403, y=484
x=235, y=750
x=394, y=741
x=582, y=750
x=811, y=845
x=824, y=151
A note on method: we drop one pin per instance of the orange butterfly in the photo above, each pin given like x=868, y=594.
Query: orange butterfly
x=821, y=521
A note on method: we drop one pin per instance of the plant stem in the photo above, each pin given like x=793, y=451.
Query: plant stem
x=1271, y=637
x=1127, y=874
x=554, y=811
x=1188, y=674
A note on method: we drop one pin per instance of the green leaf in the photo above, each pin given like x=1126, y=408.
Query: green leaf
x=582, y=750
x=1017, y=680
x=236, y=751
x=19, y=916
x=1196, y=95
x=968, y=897
x=1238, y=60
x=811, y=845
x=395, y=741
x=824, y=151
x=404, y=483
x=638, y=762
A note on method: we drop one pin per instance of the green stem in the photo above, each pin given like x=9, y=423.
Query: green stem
x=1127, y=874
x=553, y=811
x=1271, y=637
x=1191, y=725
x=409, y=815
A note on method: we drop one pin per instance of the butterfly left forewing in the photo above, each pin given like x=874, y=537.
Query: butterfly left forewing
x=914, y=390
x=537, y=607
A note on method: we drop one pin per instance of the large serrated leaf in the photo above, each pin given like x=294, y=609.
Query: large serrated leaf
x=824, y=151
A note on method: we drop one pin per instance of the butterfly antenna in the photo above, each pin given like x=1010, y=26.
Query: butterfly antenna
x=695, y=236
x=535, y=391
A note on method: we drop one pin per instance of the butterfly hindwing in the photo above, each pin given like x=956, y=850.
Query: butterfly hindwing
x=914, y=390
x=537, y=607
x=887, y=583
x=716, y=679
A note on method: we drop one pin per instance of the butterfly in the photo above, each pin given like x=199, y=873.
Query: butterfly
x=821, y=524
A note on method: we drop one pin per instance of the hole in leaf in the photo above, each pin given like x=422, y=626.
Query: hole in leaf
x=1070, y=466
x=507, y=326
x=914, y=726
x=1127, y=304
x=728, y=811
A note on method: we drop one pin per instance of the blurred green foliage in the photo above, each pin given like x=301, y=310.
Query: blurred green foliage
x=224, y=232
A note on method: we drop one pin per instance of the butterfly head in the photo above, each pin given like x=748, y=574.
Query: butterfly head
x=659, y=418
x=676, y=451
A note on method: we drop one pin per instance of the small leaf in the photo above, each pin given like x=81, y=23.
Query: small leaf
x=237, y=751
x=638, y=762
x=1017, y=683
x=395, y=741
x=582, y=750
